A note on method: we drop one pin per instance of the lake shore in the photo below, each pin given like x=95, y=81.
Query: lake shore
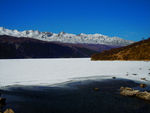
x=87, y=96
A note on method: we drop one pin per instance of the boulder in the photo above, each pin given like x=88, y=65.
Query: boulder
x=126, y=91
x=134, y=74
x=143, y=78
x=143, y=95
x=113, y=77
x=9, y=110
x=143, y=85
x=125, y=88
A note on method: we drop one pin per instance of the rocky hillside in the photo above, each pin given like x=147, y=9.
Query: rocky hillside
x=136, y=51
x=12, y=47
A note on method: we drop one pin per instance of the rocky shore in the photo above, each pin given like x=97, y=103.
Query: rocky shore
x=126, y=91
x=89, y=96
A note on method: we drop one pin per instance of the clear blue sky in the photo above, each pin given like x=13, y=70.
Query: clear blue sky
x=128, y=19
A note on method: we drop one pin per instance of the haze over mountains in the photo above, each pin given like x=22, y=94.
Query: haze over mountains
x=67, y=38
x=35, y=44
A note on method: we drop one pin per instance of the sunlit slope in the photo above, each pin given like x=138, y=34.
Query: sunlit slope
x=137, y=51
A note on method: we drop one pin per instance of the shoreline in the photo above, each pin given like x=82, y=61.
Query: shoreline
x=72, y=97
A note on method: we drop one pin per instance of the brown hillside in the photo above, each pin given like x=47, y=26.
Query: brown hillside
x=137, y=51
x=23, y=47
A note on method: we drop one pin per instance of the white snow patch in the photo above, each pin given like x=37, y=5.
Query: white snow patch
x=52, y=71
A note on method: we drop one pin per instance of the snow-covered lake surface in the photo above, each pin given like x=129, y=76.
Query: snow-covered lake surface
x=53, y=71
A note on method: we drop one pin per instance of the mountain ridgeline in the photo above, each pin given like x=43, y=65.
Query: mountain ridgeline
x=67, y=37
x=12, y=47
x=136, y=51
x=36, y=44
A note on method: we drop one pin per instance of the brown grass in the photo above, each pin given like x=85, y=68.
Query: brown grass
x=137, y=51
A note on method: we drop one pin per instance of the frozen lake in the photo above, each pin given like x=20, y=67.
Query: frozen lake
x=52, y=71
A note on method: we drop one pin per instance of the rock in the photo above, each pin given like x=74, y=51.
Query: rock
x=121, y=88
x=2, y=101
x=126, y=91
x=113, y=77
x=143, y=78
x=143, y=85
x=96, y=89
x=143, y=95
x=134, y=74
x=9, y=110
x=125, y=88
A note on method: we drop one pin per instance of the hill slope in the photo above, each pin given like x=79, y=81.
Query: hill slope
x=12, y=47
x=137, y=51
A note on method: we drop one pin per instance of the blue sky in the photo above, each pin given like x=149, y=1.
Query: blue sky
x=128, y=19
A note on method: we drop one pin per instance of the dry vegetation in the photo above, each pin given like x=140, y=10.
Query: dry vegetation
x=137, y=51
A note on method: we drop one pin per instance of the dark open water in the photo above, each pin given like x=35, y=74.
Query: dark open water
x=75, y=97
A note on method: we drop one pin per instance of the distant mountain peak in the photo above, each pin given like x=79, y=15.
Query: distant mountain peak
x=67, y=37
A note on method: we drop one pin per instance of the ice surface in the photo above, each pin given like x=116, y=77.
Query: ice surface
x=51, y=71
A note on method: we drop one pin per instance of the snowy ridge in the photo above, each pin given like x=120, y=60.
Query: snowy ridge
x=66, y=37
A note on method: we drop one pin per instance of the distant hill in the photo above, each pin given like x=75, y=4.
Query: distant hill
x=13, y=47
x=136, y=51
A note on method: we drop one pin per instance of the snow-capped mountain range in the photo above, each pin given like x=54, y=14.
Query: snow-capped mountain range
x=67, y=37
